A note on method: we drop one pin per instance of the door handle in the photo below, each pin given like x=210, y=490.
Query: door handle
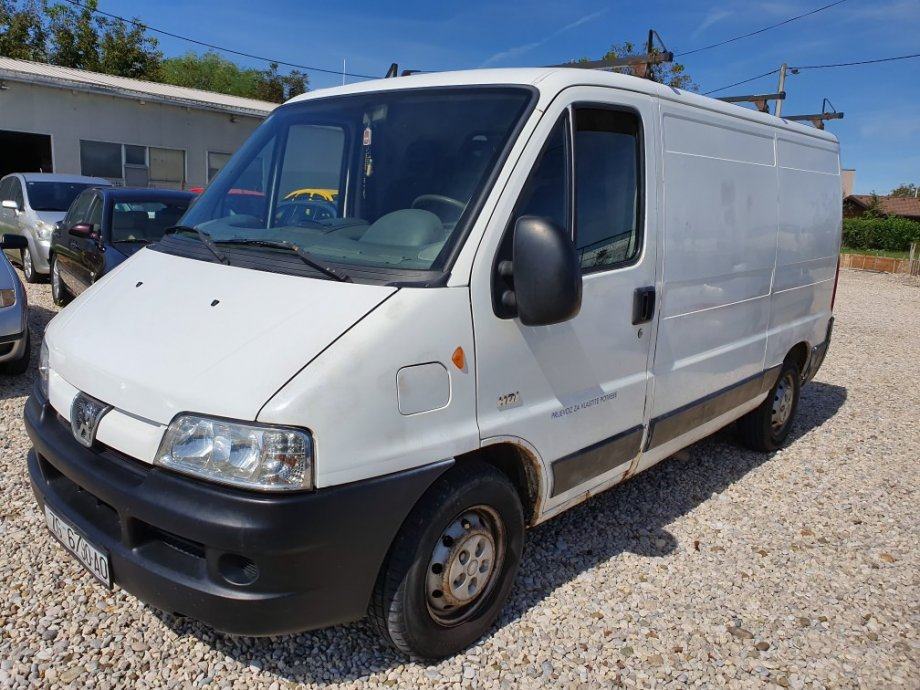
x=643, y=305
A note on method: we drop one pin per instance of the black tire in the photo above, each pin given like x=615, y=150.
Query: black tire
x=400, y=607
x=59, y=294
x=17, y=367
x=766, y=428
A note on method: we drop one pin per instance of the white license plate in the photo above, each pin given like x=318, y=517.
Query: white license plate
x=95, y=560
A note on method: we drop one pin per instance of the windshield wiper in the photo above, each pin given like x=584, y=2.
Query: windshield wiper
x=135, y=241
x=306, y=256
x=205, y=240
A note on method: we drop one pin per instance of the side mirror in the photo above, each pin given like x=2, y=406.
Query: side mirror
x=10, y=204
x=544, y=273
x=59, y=225
x=84, y=230
x=14, y=242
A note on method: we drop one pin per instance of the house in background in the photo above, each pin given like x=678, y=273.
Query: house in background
x=855, y=205
x=847, y=181
x=132, y=132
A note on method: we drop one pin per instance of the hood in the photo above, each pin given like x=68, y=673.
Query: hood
x=163, y=334
x=51, y=217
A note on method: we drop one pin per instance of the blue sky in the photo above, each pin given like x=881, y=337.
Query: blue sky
x=880, y=135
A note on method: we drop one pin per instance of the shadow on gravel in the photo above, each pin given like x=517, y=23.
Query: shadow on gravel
x=631, y=517
x=20, y=386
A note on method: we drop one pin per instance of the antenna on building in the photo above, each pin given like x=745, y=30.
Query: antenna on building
x=636, y=65
x=828, y=112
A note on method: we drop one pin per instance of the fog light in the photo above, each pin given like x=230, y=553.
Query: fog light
x=237, y=570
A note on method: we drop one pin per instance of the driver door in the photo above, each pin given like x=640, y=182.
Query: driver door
x=575, y=392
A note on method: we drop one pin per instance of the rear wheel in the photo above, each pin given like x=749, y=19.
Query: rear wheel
x=766, y=428
x=452, y=564
x=59, y=293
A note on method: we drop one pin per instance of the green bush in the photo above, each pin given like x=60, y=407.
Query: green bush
x=891, y=234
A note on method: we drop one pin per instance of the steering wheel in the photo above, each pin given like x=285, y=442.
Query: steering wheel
x=440, y=199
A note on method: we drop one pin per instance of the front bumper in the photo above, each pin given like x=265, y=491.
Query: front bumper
x=41, y=255
x=242, y=562
x=12, y=347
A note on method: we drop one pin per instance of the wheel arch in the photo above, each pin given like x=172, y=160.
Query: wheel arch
x=520, y=462
x=799, y=353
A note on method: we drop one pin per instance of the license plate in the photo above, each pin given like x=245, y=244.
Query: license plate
x=95, y=560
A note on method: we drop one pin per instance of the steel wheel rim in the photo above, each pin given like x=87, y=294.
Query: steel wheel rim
x=783, y=397
x=464, y=565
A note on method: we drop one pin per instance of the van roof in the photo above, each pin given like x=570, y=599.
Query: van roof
x=551, y=80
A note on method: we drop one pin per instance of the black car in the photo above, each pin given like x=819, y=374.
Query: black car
x=102, y=228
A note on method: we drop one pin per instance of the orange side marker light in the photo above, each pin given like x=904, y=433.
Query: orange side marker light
x=459, y=358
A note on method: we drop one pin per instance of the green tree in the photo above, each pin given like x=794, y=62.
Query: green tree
x=22, y=31
x=277, y=87
x=127, y=51
x=908, y=189
x=74, y=36
x=209, y=72
x=669, y=73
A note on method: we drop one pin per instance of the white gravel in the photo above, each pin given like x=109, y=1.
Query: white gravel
x=718, y=567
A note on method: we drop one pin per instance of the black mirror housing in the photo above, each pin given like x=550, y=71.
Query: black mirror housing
x=546, y=273
x=14, y=242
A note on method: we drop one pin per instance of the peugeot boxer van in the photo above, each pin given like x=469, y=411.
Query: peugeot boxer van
x=536, y=283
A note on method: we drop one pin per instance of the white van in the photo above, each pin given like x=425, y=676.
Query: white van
x=532, y=284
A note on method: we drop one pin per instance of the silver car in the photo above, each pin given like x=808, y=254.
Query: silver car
x=30, y=205
x=14, y=314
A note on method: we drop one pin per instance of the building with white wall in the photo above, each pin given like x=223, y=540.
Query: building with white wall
x=133, y=132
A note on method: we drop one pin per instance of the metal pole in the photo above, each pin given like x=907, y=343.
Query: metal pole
x=782, y=85
x=343, y=71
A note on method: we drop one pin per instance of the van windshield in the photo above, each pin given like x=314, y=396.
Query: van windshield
x=383, y=180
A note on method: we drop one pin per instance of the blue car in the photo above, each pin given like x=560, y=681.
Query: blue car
x=102, y=228
x=15, y=344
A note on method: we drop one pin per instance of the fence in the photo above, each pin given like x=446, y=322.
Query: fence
x=884, y=264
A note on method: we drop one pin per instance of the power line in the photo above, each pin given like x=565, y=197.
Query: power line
x=837, y=64
x=147, y=27
x=861, y=62
x=760, y=31
x=744, y=81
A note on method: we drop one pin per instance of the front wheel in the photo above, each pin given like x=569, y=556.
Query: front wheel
x=452, y=565
x=766, y=428
x=28, y=267
x=59, y=293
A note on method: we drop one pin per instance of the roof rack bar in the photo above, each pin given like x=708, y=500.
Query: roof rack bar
x=818, y=119
x=759, y=100
x=637, y=65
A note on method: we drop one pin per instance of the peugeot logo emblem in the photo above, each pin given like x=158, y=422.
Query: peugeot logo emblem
x=85, y=414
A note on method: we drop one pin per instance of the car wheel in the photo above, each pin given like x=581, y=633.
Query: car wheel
x=59, y=293
x=766, y=428
x=16, y=367
x=28, y=267
x=452, y=565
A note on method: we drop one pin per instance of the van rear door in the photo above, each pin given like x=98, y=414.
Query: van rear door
x=576, y=391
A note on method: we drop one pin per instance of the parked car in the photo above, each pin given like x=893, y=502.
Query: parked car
x=276, y=427
x=15, y=343
x=30, y=205
x=103, y=227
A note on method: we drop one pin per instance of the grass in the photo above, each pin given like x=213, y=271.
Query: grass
x=876, y=252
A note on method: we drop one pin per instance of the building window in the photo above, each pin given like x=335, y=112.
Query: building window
x=101, y=159
x=167, y=168
x=216, y=161
x=132, y=165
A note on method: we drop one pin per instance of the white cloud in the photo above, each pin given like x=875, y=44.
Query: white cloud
x=527, y=47
x=714, y=16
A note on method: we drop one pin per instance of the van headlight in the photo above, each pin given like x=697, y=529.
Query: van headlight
x=43, y=368
x=245, y=455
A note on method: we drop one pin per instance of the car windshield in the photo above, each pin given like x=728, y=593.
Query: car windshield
x=54, y=196
x=145, y=220
x=385, y=179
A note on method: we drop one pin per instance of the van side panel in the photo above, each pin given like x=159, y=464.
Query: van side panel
x=808, y=245
x=719, y=234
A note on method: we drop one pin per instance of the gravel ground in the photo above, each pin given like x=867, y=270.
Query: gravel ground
x=717, y=567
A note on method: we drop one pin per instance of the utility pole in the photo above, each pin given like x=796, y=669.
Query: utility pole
x=782, y=85
x=343, y=71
